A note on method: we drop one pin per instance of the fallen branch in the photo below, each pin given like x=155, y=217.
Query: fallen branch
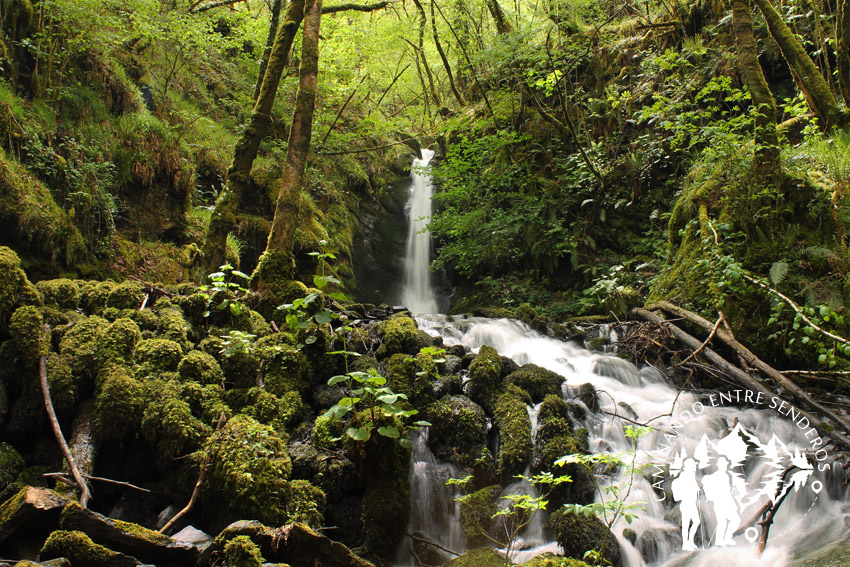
x=705, y=342
x=64, y=478
x=754, y=361
x=432, y=544
x=747, y=381
x=85, y=493
x=202, y=477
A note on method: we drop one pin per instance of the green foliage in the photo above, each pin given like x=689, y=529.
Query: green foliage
x=242, y=552
x=224, y=292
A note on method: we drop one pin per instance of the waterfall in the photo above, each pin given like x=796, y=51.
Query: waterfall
x=417, y=288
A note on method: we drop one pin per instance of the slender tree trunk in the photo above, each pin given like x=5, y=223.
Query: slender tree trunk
x=267, y=51
x=502, y=24
x=842, y=50
x=420, y=52
x=766, y=160
x=277, y=264
x=223, y=218
x=444, y=58
x=811, y=82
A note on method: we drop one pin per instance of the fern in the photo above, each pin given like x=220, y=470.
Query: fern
x=778, y=271
x=820, y=252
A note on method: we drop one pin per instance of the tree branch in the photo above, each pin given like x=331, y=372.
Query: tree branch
x=354, y=7
x=196, y=9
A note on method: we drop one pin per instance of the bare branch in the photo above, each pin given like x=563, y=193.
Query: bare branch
x=354, y=7
x=213, y=5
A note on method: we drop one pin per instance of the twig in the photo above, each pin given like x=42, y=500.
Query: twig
x=361, y=150
x=797, y=309
x=386, y=90
x=703, y=345
x=144, y=302
x=818, y=372
x=64, y=478
x=201, y=478
x=85, y=493
x=431, y=543
x=341, y=110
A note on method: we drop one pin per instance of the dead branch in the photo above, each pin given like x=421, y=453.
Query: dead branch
x=64, y=478
x=799, y=394
x=745, y=380
x=85, y=493
x=196, y=9
x=355, y=7
x=202, y=477
x=341, y=110
x=705, y=343
x=432, y=544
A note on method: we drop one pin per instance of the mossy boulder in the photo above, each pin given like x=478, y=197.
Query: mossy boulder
x=65, y=388
x=398, y=334
x=485, y=378
x=476, y=512
x=481, y=557
x=555, y=438
x=242, y=552
x=15, y=289
x=458, y=429
x=158, y=355
x=119, y=404
x=168, y=424
x=26, y=327
x=537, y=381
x=577, y=534
x=279, y=412
x=205, y=400
x=249, y=476
x=514, y=423
x=526, y=313
x=198, y=366
x=118, y=342
x=241, y=368
x=549, y=560
x=126, y=295
x=93, y=296
x=172, y=324
x=82, y=551
x=81, y=344
x=62, y=293
x=285, y=368
x=11, y=465
x=386, y=512
x=401, y=374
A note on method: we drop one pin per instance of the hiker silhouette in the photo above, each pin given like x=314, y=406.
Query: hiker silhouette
x=718, y=490
x=686, y=490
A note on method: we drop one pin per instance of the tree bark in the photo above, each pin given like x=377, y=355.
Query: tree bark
x=420, y=52
x=503, y=26
x=223, y=219
x=842, y=50
x=766, y=160
x=444, y=58
x=267, y=50
x=806, y=73
x=277, y=264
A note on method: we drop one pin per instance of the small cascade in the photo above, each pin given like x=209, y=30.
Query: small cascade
x=435, y=514
x=417, y=287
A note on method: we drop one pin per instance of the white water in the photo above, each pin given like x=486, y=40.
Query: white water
x=417, y=288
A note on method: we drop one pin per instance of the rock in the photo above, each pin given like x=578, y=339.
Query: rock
x=577, y=534
x=146, y=545
x=481, y=557
x=82, y=551
x=30, y=508
x=293, y=544
x=194, y=536
x=451, y=365
x=655, y=543
x=537, y=381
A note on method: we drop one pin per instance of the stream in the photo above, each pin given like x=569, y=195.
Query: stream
x=757, y=438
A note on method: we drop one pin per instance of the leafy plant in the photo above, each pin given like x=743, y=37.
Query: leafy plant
x=226, y=289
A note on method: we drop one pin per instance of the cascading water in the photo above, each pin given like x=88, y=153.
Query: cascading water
x=417, y=288
x=805, y=523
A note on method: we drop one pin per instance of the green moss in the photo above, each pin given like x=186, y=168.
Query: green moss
x=79, y=549
x=241, y=369
x=158, y=355
x=119, y=404
x=126, y=295
x=248, y=477
x=145, y=319
x=515, y=443
x=399, y=335
x=538, y=382
x=62, y=293
x=481, y=557
x=401, y=374
x=64, y=386
x=285, y=368
x=168, y=424
x=526, y=313
x=485, y=377
x=577, y=534
x=172, y=324
x=242, y=552
x=26, y=327
x=81, y=344
x=476, y=512
x=549, y=560
x=118, y=342
x=458, y=429
x=304, y=503
x=199, y=366
x=93, y=296
x=279, y=412
x=11, y=465
x=386, y=511
x=205, y=401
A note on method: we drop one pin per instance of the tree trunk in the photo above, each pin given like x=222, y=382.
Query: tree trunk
x=420, y=52
x=444, y=58
x=223, y=218
x=766, y=159
x=502, y=24
x=277, y=264
x=806, y=73
x=267, y=51
x=842, y=50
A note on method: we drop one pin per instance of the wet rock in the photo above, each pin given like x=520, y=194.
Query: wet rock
x=538, y=382
x=457, y=350
x=481, y=557
x=657, y=543
x=452, y=365
x=194, y=536
x=458, y=429
x=30, y=509
x=576, y=534
x=82, y=551
x=144, y=544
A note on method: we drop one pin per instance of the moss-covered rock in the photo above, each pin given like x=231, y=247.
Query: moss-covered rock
x=82, y=551
x=242, y=552
x=481, y=557
x=280, y=412
x=537, y=381
x=11, y=465
x=93, y=296
x=526, y=313
x=65, y=388
x=172, y=325
x=62, y=293
x=15, y=289
x=198, y=366
x=241, y=369
x=285, y=367
x=386, y=512
x=118, y=342
x=549, y=560
x=398, y=335
x=126, y=295
x=304, y=503
x=401, y=374
x=476, y=512
x=119, y=404
x=205, y=401
x=158, y=355
x=26, y=327
x=248, y=477
x=485, y=378
x=577, y=534
x=514, y=423
x=81, y=344
x=168, y=424
x=458, y=430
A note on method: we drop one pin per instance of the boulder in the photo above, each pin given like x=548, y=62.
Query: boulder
x=577, y=534
x=30, y=508
x=144, y=544
x=82, y=551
